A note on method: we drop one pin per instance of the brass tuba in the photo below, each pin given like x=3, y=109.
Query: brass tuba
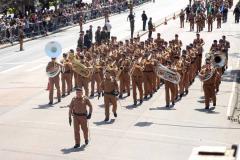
x=53, y=49
x=167, y=74
x=205, y=74
x=219, y=59
x=81, y=69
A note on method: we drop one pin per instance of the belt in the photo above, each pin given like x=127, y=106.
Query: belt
x=148, y=71
x=80, y=114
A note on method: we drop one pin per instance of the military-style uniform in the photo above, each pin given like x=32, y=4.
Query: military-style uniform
x=219, y=19
x=96, y=77
x=209, y=86
x=81, y=23
x=137, y=80
x=78, y=109
x=191, y=20
x=210, y=22
x=21, y=37
x=53, y=81
x=110, y=87
x=148, y=76
x=66, y=77
x=124, y=78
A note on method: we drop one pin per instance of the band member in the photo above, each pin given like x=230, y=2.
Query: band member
x=53, y=81
x=191, y=20
x=198, y=43
x=210, y=19
x=219, y=19
x=78, y=109
x=148, y=76
x=83, y=81
x=169, y=89
x=209, y=85
x=137, y=80
x=110, y=88
x=96, y=77
x=124, y=78
x=66, y=75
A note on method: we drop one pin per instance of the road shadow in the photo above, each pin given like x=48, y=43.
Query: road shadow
x=131, y=107
x=44, y=106
x=70, y=150
x=104, y=123
x=162, y=108
x=209, y=111
x=143, y=124
x=101, y=105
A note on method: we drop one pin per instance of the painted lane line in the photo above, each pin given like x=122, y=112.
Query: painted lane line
x=35, y=68
x=234, y=86
x=11, y=69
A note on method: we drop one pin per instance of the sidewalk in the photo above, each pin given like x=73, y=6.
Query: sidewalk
x=65, y=28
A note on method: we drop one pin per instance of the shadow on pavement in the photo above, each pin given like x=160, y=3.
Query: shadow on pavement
x=104, y=123
x=231, y=77
x=209, y=111
x=43, y=106
x=131, y=107
x=143, y=124
x=162, y=108
x=70, y=150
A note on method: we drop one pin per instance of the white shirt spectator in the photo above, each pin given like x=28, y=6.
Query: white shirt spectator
x=108, y=26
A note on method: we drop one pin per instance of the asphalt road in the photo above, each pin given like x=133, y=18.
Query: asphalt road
x=30, y=129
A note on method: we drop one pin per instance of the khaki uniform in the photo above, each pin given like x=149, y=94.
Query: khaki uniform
x=125, y=78
x=209, y=87
x=53, y=81
x=219, y=19
x=83, y=81
x=137, y=80
x=21, y=37
x=170, y=89
x=182, y=18
x=78, y=108
x=210, y=22
x=148, y=76
x=96, y=77
x=191, y=20
x=109, y=86
x=66, y=78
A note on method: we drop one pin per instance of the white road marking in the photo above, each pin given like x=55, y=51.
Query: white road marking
x=35, y=68
x=11, y=69
x=234, y=86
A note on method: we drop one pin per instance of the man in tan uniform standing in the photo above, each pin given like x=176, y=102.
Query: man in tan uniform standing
x=66, y=75
x=78, y=109
x=53, y=81
x=110, y=88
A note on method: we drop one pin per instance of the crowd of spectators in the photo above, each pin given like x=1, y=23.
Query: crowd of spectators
x=48, y=20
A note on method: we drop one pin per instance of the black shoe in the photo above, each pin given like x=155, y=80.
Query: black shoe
x=207, y=107
x=217, y=90
x=120, y=96
x=214, y=104
x=128, y=94
x=68, y=93
x=181, y=95
x=86, y=142
x=50, y=103
x=173, y=103
x=63, y=95
x=141, y=101
x=176, y=98
x=151, y=95
x=115, y=115
x=135, y=103
x=167, y=106
x=76, y=146
x=59, y=100
x=91, y=95
x=186, y=92
x=106, y=119
x=145, y=97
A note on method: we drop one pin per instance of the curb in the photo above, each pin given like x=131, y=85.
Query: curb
x=65, y=28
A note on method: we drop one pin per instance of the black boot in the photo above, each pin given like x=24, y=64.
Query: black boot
x=141, y=101
x=106, y=119
x=167, y=106
x=128, y=94
x=63, y=95
x=135, y=103
x=145, y=97
x=86, y=142
x=186, y=92
x=92, y=95
x=59, y=99
x=207, y=107
x=120, y=96
x=50, y=103
x=173, y=103
x=76, y=146
x=115, y=115
x=151, y=95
